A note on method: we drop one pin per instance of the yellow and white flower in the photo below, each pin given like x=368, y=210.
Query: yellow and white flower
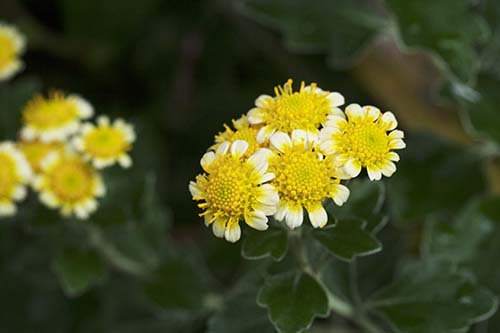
x=235, y=188
x=54, y=118
x=304, y=179
x=365, y=139
x=106, y=143
x=12, y=45
x=36, y=151
x=243, y=130
x=15, y=173
x=70, y=184
x=306, y=109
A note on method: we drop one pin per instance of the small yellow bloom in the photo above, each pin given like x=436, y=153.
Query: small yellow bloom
x=233, y=188
x=364, y=140
x=12, y=45
x=304, y=179
x=306, y=109
x=35, y=151
x=69, y=183
x=54, y=118
x=15, y=173
x=243, y=130
x=106, y=143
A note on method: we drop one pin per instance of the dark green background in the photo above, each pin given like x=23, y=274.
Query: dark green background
x=179, y=70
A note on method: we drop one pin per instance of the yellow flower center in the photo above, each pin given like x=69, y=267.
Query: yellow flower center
x=36, y=151
x=50, y=113
x=106, y=142
x=8, y=176
x=301, y=177
x=365, y=140
x=71, y=180
x=7, y=50
x=304, y=109
x=230, y=187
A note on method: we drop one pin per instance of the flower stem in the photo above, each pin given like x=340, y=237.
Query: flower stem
x=353, y=312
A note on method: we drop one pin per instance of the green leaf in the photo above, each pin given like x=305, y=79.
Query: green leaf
x=458, y=240
x=272, y=243
x=78, y=270
x=293, y=301
x=240, y=312
x=471, y=240
x=433, y=296
x=348, y=239
x=342, y=28
x=432, y=25
x=133, y=237
x=484, y=115
x=177, y=285
x=365, y=202
x=429, y=179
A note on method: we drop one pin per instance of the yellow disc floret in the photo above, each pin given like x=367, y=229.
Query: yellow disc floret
x=233, y=188
x=106, y=143
x=12, y=45
x=15, y=173
x=69, y=183
x=54, y=118
x=306, y=109
x=364, y=140
x=243, y=130
x=35, y=151
x=304, y=179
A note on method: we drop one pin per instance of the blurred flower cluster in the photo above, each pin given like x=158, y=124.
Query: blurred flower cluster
x=289, y=154
x=58, y=153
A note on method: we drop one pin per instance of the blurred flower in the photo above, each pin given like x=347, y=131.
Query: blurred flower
x=69, y=183
x=364, y=140
x=106, y=143
x=234, y=187
x=243, y=131
x=15, y=173
x=35, y=151
x=54, y=118
x=12, y=45
x=306, y=109
x=304, y=179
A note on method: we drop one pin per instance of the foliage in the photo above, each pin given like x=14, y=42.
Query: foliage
x=413, y=253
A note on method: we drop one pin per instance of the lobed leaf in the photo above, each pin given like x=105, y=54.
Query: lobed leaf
x=293, y=301
x=271, y=243
x=348, y=239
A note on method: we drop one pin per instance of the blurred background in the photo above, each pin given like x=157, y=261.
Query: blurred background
x=179, y=70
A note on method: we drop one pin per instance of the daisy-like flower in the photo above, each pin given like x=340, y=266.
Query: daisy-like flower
x=243, y=130
x=106, y=143
x=15, y=173
x=54, y=118
x=35, y=151
x=234, y=188
x=304, y=179
x=306, y=109
x=366, y=139
x=70, y=184
x=12, y=45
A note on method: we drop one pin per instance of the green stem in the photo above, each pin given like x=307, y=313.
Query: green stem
x=354, y=312
x=299, y=250
x=340, y=306
x=360, y=317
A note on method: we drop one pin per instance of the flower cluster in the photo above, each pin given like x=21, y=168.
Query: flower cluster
x=12, y=44
x=288, y=155
x=59, y=153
